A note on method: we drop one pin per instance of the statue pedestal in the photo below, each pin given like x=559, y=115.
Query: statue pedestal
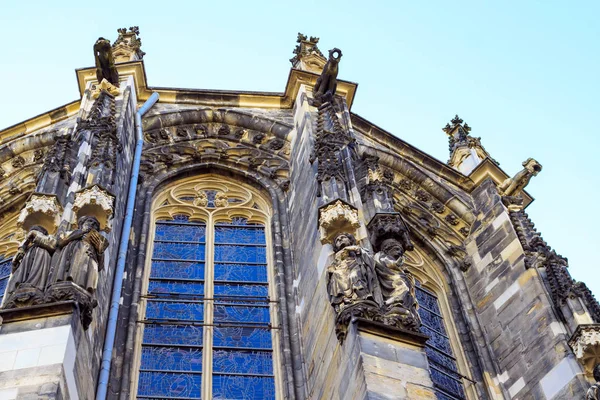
x=393, y=361
x=41, y=348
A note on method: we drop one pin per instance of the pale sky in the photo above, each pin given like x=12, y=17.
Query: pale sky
x=525, y=75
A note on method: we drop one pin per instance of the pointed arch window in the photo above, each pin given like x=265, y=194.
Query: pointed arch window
x=10, y=238
x=209, y=326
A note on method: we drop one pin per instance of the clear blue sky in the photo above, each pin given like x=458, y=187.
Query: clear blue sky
x=525, y=75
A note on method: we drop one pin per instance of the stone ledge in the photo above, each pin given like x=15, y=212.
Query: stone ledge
x=389, y=332
x=37, y=311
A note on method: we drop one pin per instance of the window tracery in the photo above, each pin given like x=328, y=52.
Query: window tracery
x=209, y=327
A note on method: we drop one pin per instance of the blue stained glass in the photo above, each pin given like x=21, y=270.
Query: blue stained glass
x=211, y=195
x=172, y=310
x=190, y=288
x=183, y=233
x=228, y=313
x=241, y=290
x=243, y=387
x=243, y=337
x=225, y=234
x=171, y=359
x=441, y=361
x=436, y=340
x=243, y=362
x=241, y=272
x=432, y=321
x=447, y=384
x=169, y=384
x=427, y=300
x=243, y=254
x=177, y=269
x=178, y=251
x=173, y=334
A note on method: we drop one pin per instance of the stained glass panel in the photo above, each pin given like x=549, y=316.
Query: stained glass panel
x=242, y=314
x=170, y=385
x=173, y=334
x=177, y=270
x=241, y=254
x=174, y=287
x=238, y=235
x=231, y=289
x=238, y=336
x=178, y=251
x=243, y=387
x=171, y=359
x=243, y=362
x=180, y=232
x=241, y=272
x=174, y=310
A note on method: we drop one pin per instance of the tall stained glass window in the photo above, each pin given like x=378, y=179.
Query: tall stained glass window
x=207, y=329
x=442, y=363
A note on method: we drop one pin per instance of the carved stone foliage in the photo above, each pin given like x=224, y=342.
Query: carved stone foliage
x=376, y=183
x=97, y=202
x=41, y=209
x=538, y=254
x=585, y=343
x=337, y=217
x=47, y=269
x=56, y=160
x=128, y=46
x=105, y=62
x=307, y=54
x=514, y=186
x=272, y=164
x=327, y=83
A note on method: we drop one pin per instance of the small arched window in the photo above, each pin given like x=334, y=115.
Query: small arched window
x=209, y=324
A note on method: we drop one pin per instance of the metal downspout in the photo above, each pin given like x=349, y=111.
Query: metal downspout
x=113, y=314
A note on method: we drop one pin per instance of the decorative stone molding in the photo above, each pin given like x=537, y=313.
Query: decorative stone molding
x=128, y=45
x=585, y=343
x=40, y=209
x=336, y=217
x=97, y=202
x=104, y=86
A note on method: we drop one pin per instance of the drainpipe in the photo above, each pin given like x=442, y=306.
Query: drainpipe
x=113, y=314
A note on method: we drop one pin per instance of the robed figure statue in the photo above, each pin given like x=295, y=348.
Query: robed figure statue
x=397, y=286
x=30, y=268
x=79, y=255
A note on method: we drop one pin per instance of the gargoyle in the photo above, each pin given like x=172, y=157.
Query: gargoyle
x=514, y=186
x=105, y=62
x=327, y=83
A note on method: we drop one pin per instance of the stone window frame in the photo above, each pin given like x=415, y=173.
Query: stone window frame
x=262, y=213
x=10, y=238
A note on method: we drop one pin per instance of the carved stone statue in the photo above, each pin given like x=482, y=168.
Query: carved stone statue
x=327, y=83
x=397, y=286
x=351, y=277
x=105, y=62
x=79, y=255
x=593, y=392
x=30, y=270
x=513, y=187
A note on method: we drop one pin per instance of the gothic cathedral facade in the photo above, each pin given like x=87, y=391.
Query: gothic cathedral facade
x=184, y=244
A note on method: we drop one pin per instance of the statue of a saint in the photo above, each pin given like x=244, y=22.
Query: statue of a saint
x=397, y=285
x=79, y=255
x=31, y=264
x=593, y=392
x=351, y=278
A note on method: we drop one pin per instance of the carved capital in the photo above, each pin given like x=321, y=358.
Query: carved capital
x=97, y=202
x=337, y=217
x=585, y=343
x=41, y=209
